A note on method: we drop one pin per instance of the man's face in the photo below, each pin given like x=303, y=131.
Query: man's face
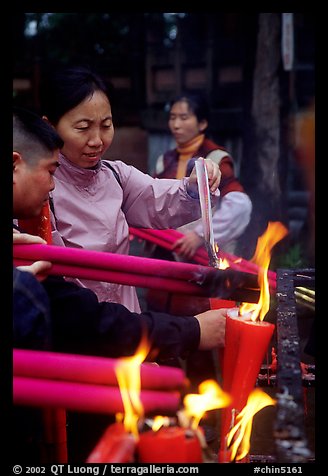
x=32, y=184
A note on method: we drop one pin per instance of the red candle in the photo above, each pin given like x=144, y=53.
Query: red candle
x=169, y=445
x=54, y=421
x=246, y=344
x=115, y=446
x=217, y=303
x=232, y=338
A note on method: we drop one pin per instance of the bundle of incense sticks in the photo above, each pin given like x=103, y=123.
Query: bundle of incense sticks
x=90, y=398
x=184, y=278
x=167, y=238
x=130, y=270
x=90, y=369
x=57, y=382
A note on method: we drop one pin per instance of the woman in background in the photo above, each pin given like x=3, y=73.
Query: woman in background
x=188, y=121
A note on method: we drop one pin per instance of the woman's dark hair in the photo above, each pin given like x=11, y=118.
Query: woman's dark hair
x=64, y=89
x=197, y=104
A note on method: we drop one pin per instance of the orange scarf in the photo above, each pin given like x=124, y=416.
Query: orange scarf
x=40, y=225
x=186, y=152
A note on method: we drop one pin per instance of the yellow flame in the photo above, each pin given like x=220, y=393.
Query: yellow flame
x=128, y=376
x=238, y=438
x=274, y=233
x=160, y=421
x=210, y=397
x=223, y=263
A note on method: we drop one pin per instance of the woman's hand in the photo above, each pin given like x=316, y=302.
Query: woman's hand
x=214, y=177
x=188, y=245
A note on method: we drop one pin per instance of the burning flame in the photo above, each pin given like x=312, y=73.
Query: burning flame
x=238, y=438
x=160, y=421
x=210, y=397
x=274, y=233
x=128, y=377
x=222, y=263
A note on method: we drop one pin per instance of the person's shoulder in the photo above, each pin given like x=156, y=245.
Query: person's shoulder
x=123, y=172
x=117, y=165
x=210, y=144
x=215, y=151
x=217, y=155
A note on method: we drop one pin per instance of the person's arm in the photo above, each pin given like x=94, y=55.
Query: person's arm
x=230, y=220
x=231, y=217
x=159, y=203
x=31, y=312
x=83, y=325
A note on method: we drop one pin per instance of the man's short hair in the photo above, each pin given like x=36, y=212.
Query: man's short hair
x=33, y=137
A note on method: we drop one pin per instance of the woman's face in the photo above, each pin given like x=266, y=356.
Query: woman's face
x=87, y=130
x=183, y=123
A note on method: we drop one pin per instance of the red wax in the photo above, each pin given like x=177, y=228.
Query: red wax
x=169, y=445
x=217, y=303
x=115, y=446
x=232, y=339
x=246, y=345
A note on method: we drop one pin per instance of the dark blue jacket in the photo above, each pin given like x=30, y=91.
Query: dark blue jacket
x=78, y=323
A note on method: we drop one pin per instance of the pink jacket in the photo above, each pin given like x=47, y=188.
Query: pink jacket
x=93, y=211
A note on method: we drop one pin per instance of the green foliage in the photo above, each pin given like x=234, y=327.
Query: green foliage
x=294, y=257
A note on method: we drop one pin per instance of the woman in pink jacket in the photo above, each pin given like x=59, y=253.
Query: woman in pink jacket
x=95, y=201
